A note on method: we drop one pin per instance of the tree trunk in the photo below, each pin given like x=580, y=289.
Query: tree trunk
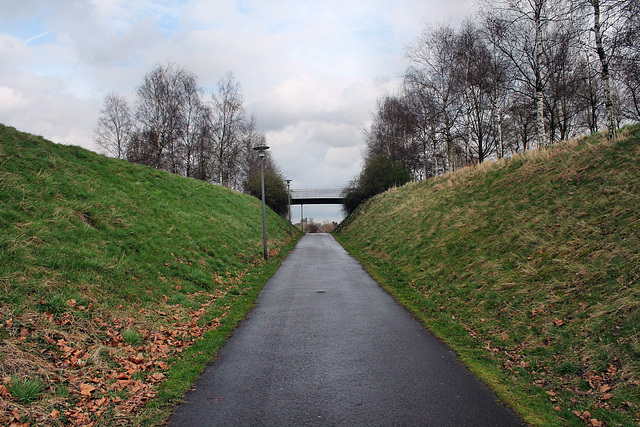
x=500, y=133
x=538, y=74
x=597, y=27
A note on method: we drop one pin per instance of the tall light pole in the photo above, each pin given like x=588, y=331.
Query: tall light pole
x=289, y=203
x=261, y=153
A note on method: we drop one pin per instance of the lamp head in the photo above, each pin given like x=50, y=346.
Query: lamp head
x=261, y=149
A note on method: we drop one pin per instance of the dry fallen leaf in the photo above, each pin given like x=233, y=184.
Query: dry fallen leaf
x=137, y=359
x=86, y=389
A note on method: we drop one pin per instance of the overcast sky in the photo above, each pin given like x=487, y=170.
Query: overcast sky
x=310, y=70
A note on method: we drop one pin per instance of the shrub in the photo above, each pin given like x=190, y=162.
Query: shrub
x=379, y=174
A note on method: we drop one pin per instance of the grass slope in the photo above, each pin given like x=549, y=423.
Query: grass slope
x=110, y=276
x=529, y=269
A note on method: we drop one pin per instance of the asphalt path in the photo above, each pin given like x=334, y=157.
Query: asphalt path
x=325, y=345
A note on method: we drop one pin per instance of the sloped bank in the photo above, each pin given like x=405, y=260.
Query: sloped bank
x=118, y=282
x=529, y=269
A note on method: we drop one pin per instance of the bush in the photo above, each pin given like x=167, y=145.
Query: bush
x=275, y=188
x=379, y=174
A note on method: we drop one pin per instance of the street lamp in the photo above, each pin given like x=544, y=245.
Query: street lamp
x=261, y=153
x=289, y=203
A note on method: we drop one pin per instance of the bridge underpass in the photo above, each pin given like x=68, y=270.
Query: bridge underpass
x=315, y=196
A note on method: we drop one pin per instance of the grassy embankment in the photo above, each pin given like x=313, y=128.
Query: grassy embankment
x=529, y=269
x=111, y=275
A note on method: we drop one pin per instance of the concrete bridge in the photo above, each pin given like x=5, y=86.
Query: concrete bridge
x=317, y=196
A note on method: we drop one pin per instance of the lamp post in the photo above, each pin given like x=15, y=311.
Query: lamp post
x=261, y=153
x=289, y=203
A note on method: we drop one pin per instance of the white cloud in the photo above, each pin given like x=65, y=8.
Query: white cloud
x=12, y=50
x=341, y=157
x=311, y=71
x=10, y=100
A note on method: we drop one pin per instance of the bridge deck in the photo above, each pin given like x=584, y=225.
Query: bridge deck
x=317, y=196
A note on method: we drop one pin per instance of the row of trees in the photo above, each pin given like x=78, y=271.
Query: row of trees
x=521, y=75
x=174, y=126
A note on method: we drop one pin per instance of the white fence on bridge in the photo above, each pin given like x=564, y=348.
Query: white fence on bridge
x=317, y=196
x=317, y=193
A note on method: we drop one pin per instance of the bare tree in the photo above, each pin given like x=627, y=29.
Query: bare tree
x=194, y=117
x=588, y=92
x=229, y=119
x=610, y=29
x=247, y=161
x=479, y=75
x=115, y=125
x=176, y=130
x=141, y=147
x=203, y=150
x=524, y=116
x=159, y=114
x=561, y=97
x=599, y=36
x=432, y=57
x=630, y=81
x=392, y=133
x=431, y=155
x=502, y=88
x=628, y=60
x=521, y=28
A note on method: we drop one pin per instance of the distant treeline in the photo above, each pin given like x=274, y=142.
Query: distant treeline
x=176, y=127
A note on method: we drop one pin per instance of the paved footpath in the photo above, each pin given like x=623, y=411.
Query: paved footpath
x=326, y=346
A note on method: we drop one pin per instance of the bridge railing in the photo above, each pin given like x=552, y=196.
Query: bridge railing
x=317, y=193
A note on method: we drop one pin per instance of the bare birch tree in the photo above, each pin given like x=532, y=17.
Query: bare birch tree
x=598, y=31
x=611, y=31
x=115, y=125
x=229, y=118
x=522, y=27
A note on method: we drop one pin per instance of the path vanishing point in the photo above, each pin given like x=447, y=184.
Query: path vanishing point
x=326, y=346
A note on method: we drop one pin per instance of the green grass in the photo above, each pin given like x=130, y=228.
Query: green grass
x=132, y=337
x=25, y=390
x=99, y=257
x=529, y=269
